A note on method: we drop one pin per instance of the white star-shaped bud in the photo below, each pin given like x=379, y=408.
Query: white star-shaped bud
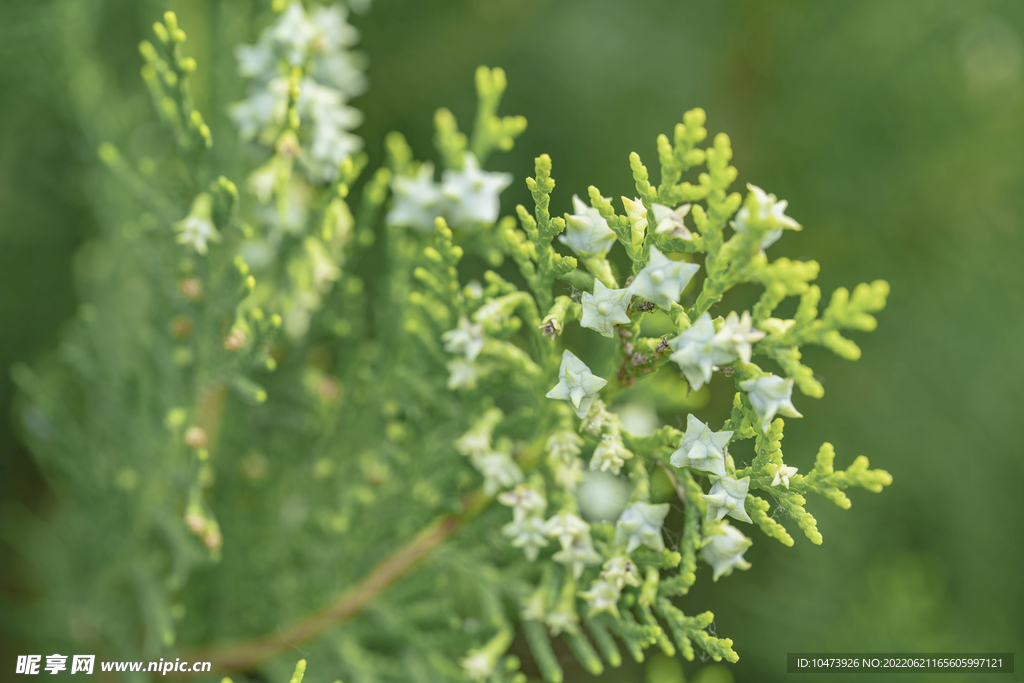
x=737, y=335
x=566, y=527
x=586, y=232
x=769, y=395
x=782, y=475
x=663, y=280
x=461, y=374
x=768, y=208
x=610, y=454
x=499, y=471
x=701, y=448
x=417, y=200
x=197, y=229
x=724, y=550
x=527, y=533
x=578, y=555
x=466, y=339
x=621, y=571
x=696, y=352
x=473, y=193
x=636, y=213
x=524, y=501
x=670, y=221
x=726, y=497
x=640, y=523
x=605, y=308
x=576, y=384
x=603, y=596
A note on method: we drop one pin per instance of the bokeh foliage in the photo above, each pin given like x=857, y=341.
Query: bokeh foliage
x=893, y=128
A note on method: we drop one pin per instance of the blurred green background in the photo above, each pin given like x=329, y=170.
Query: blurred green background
x=894, y=128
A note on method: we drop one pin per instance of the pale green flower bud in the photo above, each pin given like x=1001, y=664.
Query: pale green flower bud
x=605, y=308
x=603, y=596
x=727, y=497
x=586, y=232
x=662, y=280
x=636, y=213
x=737, y=335
x=620, y=571
x=767, y=209
x=640, y=524
x=769, y=395
x=473, y=194
x=670, y=221
x=782, y=475
x=578, y=554
x=576, y=384
x=524, y=502
x=610, y=454
x=527, y=533
x=724, y=550
x=696, y=352
x=566, y=527
x=702, y=449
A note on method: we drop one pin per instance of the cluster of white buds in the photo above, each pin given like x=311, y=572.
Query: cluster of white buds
x=465, y=198
x=318, y=41
x=700, y=349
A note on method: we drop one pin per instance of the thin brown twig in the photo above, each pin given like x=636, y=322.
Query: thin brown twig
x=243, y=656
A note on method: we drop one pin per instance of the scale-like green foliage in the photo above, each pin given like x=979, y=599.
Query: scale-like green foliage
x=292, y=391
